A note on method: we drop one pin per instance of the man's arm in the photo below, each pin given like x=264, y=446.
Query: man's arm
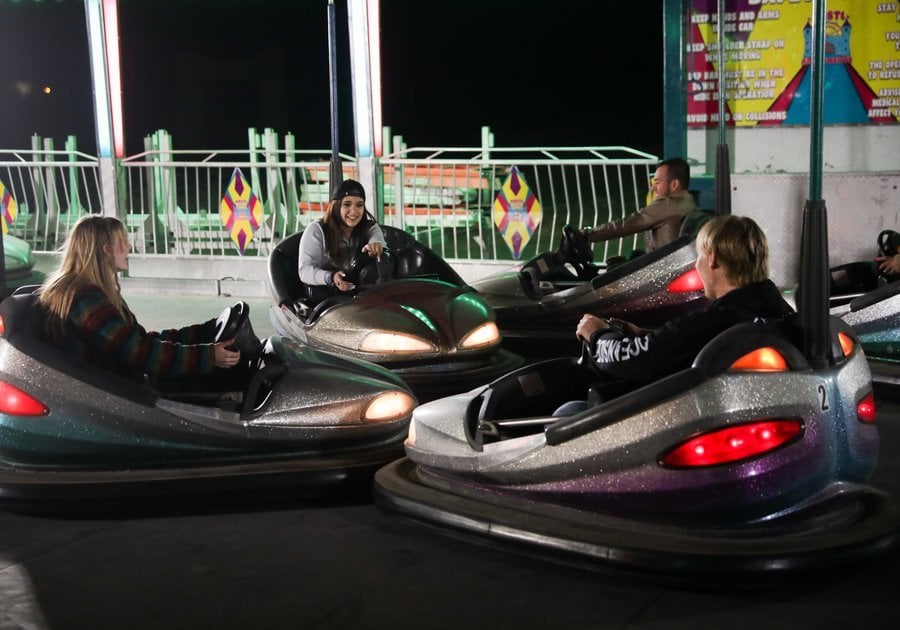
x=650, y=355
x=659, y=210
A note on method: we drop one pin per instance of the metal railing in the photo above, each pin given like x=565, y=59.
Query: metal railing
x=49, y=191
x=170, y=199
x=446, y=196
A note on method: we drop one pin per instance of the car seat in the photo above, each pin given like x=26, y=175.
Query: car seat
x=416, y=260
x=693, y=221
x=283, y=274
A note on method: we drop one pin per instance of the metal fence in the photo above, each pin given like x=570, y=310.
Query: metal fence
x=170, y=199
x=447, y=197
x=45, y=191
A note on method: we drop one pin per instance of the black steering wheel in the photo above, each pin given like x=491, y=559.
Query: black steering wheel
x=888, y=242
x=364, y=269
x=575, y=250
x=234, y=323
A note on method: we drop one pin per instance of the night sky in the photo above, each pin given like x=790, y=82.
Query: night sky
x=549, y=73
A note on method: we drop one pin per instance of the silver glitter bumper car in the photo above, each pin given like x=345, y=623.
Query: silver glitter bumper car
x=74, y=436
x=418, y=318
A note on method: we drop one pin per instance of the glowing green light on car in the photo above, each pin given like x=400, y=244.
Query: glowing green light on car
x=421, y=316
x=475, y=301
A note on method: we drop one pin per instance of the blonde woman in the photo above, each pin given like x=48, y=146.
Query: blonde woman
x=87, y=316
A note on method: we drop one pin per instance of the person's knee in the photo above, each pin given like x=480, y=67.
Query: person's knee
x=571, y=407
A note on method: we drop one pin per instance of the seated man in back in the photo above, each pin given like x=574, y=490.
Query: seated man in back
x=733, y=263
x=661, y=219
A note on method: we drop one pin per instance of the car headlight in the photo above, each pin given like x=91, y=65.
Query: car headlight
x=485, y=335
x=394, y=343
x=389, y=406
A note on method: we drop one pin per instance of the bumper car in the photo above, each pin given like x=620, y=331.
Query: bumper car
x=18, y=264
x=753, y=460
x=870, y=302
x=539, y=305
x=77, y=436
x=875, y=318
x=412, y=314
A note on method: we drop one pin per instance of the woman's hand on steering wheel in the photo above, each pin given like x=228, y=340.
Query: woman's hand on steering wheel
x=374, y=250
x=225, y=358
x=341, y=283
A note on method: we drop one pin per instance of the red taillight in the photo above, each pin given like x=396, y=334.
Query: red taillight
x=761, y=360
x=2, y=327
x=15, y=402
x=865, y=409
x=733, y=444
x=685, y=283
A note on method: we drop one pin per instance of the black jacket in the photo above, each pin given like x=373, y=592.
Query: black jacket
x=674, y=346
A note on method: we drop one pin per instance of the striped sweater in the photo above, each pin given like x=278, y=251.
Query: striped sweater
x=96, y=332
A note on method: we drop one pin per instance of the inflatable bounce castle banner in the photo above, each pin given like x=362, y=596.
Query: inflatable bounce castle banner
x=768, y=46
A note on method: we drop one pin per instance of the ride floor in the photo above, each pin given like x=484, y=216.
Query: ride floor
x=343, y=563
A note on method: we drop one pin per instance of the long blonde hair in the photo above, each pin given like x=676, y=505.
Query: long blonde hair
x=84, y=262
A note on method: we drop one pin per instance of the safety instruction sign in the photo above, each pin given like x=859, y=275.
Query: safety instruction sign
x=768, y=53
x=240, y=211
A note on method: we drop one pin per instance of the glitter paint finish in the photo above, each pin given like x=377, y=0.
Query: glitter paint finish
x=878, y=327
x=533, y=310
x=424, y=305
x=310, y=406
x=616, y=466
x=437, y=313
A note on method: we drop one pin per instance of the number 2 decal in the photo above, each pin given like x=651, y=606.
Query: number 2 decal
x=823, y=395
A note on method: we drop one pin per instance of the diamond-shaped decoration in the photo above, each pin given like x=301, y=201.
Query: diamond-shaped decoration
x=8, y=207
x=517, y=212
x=240, y=211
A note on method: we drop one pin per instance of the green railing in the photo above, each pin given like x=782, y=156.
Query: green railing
x=170, y=199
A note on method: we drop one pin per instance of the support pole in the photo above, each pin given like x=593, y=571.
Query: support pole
x=335, y=169
x=363, y=49
x=723, y=166
x=813, y=293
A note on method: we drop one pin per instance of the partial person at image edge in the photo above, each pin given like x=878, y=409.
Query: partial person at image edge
x=661, y=219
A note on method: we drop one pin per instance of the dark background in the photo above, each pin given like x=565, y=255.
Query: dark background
x=538, y=72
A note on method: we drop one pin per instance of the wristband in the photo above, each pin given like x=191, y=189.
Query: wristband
x=329, y=279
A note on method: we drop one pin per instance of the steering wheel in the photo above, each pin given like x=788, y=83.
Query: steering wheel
x=364, y=269
x=888, y=242
x=234, y=323
x=229, y=322
x=575, y=249
x=888, y=245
